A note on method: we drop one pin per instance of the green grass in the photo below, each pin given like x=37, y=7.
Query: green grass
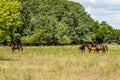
x=59, y=63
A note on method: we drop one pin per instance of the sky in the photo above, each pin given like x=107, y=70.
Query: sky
x=103, y=10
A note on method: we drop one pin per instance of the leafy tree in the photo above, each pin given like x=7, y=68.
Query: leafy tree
x=55, y=22
x=104, y=33
x=116, y=34
x=9, y=18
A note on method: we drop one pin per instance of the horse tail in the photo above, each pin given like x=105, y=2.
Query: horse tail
x=106, y=47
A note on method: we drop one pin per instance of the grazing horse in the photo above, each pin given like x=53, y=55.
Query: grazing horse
x=97, y=47
x=102, y=47
x=16, y=46
x=91, y=47
x=82, y=47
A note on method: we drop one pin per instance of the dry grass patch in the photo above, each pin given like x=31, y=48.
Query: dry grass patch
x=59, y=63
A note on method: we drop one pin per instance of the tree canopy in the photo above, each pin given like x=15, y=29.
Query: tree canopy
x=9, y=18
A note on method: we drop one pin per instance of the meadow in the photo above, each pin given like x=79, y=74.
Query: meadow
x=59, y=63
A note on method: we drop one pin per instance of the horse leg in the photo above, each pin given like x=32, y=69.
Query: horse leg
x=94, y=50
x=13, y=50
x=103, y=50
x=81, y=49
x=89, y=50
x=21, y=48
x=84, y=50
x=97, y=50
x=18, y=49
x=106, y=47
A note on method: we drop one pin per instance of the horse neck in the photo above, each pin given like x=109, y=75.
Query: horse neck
x=88, y=46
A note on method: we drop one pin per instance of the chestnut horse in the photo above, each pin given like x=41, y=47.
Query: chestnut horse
x=16, y=46
x=91, y=47
x=102, y=47
x=97, y=47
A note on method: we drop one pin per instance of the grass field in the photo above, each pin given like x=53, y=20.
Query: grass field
x=59, y=63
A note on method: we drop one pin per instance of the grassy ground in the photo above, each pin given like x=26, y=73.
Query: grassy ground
x=59, y=63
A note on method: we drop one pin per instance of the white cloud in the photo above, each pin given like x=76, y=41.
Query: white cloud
x=92, y=1
x=112, y=2
x=103, y=10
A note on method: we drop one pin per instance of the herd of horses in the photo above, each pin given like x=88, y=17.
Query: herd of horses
x=91, y=47
x=16, y=46
x=94, y=47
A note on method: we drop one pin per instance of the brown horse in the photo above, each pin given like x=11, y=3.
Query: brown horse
x=97, y=47
x=101, y=47
x=91, y=47
x=82, y=47
x=16, y=46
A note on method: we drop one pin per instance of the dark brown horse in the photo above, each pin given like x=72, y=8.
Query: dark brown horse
x=82, y=47
x=15, y=47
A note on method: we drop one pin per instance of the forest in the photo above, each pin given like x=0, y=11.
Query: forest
x=51, y=22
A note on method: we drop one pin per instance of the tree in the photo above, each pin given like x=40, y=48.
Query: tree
x=104, y=33
x=60, y=22
x=9, y=18
x=55, y=22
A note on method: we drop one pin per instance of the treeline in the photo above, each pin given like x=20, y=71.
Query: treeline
x=52, y=22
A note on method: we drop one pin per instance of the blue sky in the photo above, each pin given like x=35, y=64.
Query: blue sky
x=103, y=10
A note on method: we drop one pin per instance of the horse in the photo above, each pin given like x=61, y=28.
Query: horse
x=82, y=47
x=91, y=47
x=16, y=46
x=97, y=47
x=102, y=47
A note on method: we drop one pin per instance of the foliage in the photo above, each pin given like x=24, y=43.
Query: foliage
x=55, y=22
x=104, y=33
x=9, y=18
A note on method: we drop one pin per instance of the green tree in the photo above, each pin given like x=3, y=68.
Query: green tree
x=104, y=33
x=60, y=22
x=9, y=18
